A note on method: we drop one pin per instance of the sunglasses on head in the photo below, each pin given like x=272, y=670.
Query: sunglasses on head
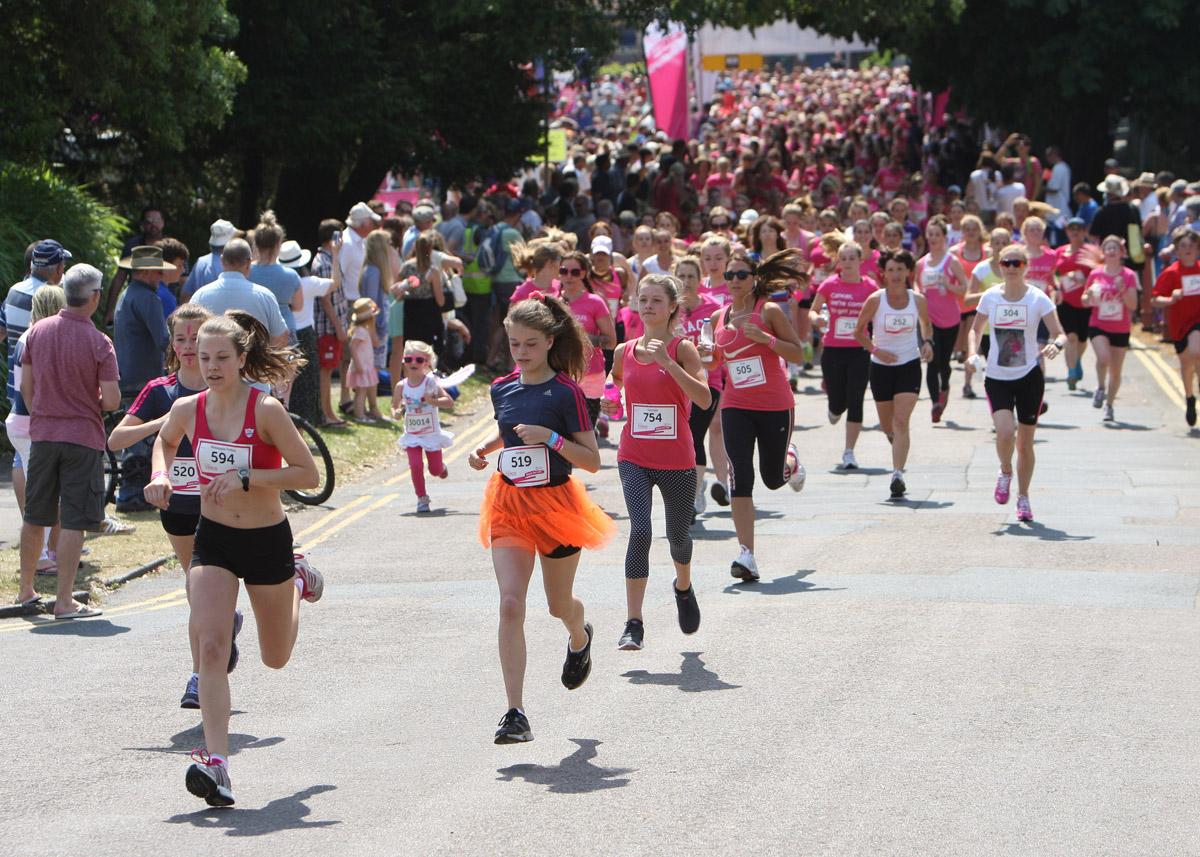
x=414, y=358
x=738, y=275
x=1012, y=263
x=569, y=272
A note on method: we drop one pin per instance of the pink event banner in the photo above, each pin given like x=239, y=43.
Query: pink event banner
x=666, y=65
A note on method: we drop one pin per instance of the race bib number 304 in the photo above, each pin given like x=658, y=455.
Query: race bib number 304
x=526, y=466
x=214, y=457
x=1011, y=316
x=654, y=422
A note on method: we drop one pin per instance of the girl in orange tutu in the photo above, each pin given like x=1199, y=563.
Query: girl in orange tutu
x=533, y=507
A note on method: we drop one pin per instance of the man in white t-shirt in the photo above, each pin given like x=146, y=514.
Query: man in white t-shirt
x=1058, y=190
x=360, y=223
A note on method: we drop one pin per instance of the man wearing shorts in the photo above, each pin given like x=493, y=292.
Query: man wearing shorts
x=69, y=375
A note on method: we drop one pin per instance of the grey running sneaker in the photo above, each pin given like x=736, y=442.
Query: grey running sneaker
x=191, y=694
x=898, y=488
x=744, y=566
x=209, y=780
x=314, y=583
x=834, y=419
x=635, y=633
x=849, y=462
x=1098, y=397
x=423, y=504
x=720, y=493
x=688, y=610
x=578, y=665
x=238, y=619
x=1108, y=414
x=701, y=500
x=514, y=728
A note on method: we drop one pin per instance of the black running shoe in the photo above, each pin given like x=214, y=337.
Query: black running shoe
x=688, y=609
x=191, y=694
x=578, y=665
x=238, y=618
x=514, y=728
x=209, y=780
x=631, y=640
x=898, y=486
x=720, y=493
x=1189, y=412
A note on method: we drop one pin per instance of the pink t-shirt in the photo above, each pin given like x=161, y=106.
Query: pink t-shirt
x=69, y=358
x=632, y=322
x=527, y=288
x=1111, y=314
x=1070, y=263
x=933, y=282
x=718, y=293
x=870, y=265
x=690, y=322
x=587, y=309
x=845, y=301
x=1040, y=272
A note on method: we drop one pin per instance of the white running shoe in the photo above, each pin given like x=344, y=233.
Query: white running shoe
x=1108, y=414
x=209, y=779
x=849, y=462
x=834, y=419
x=744, y=567
x=794, y=471
x=701, y=502
x=423, y=504
x=1098, y=397
x=314, y=583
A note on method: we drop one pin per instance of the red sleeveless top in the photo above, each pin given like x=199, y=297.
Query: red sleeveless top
x=656, y=434
x=755, y=376
x=215, y=457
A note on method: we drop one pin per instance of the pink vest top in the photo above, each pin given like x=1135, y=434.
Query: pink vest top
x=656, y=433
x=755, y=377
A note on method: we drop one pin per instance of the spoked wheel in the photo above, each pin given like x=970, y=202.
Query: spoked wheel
x=320, y=453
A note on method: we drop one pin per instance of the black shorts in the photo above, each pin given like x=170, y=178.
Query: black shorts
x=260, y=556
x=64, y=483
x=1023, y=395
x=699, y=421
x=966, y=316
x=179, y=523
x=562, y=552
x=806, y=303
x=1116, y=340
x=889, y=381
x=1181, y=344
x=1075, y=320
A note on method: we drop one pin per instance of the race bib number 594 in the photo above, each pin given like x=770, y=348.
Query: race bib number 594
x=214, y=457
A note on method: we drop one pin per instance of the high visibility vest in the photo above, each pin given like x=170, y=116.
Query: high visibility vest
x=475, y=281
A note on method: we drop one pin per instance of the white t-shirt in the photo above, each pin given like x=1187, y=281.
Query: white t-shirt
x=314, y=287
x=651, y=266
x=980, y=189
x=1014, y=348
x=1058, y=189
x=1005, y=197
x=350, y=258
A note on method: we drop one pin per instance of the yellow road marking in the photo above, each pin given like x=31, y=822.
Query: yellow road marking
x=329, y=516
x=1161, y=373
x=159, y=602
x=345, y=522
x=467, y=441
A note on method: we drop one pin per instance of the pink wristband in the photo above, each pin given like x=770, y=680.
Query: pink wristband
x=771, y=344
x=158, y=473
x=558, y=444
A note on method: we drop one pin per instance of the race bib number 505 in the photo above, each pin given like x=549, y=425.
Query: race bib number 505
x=747, y=372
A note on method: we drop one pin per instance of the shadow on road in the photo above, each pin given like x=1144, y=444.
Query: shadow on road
x=1056, y=426
x=953, y=426
x=79, y=628
x=434, y=513
x=1039, y=531
x=287, y=813
x=860, y=471
x=693, y=676
x=918, y=504
x=789, y=585
x=573, y=775
x=1122, y=426
x=759, y=514
x=701, y=533
x=188, y=740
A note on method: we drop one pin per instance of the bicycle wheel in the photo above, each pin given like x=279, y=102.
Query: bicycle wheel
x=112, y=467
x=320, y=453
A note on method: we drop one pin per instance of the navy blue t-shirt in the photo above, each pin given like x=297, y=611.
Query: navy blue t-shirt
x=154, y=401
x=557, y=404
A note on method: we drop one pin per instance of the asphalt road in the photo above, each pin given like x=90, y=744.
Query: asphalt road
x=919, y=678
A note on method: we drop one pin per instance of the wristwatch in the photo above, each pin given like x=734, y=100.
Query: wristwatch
x=244, y=475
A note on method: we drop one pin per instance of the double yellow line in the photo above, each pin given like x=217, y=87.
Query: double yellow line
x=1162, y=373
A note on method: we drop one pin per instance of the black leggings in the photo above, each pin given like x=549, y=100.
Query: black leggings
x=846, y=371
x=698, y=421
x=593, y=410
x=678, y=489
x=771, y=431
x=937, y=373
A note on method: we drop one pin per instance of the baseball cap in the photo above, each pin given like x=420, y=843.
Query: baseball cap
x=954, y=189
x=1076, y=221
x=748, y=216
x=220, y=233
x=360, y=212
x=49, y=253
x=602, y=244
x=512, y=206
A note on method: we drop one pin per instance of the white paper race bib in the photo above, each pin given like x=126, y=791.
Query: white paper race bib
x=1011, y=316
x=844, y=326
x=614, y=304
x=1191, y=285
x=747, y=372
x=932, y=278
x=418, y=421
x=185, y=479
x=1111, y=310
x=1073, y=281
x=653, y=422
x=899, y=322
x=526, y=466
x=215, y=457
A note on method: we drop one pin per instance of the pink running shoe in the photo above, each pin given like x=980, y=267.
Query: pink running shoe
x=314, y=583
x=1024, y=513
x=1003, y=481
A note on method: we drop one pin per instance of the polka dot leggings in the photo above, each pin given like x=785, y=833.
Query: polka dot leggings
x=678, y=489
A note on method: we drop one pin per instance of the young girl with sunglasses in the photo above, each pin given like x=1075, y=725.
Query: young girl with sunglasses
x=751, y=336
x=592, y=313
x=420, y=396
x=533, y=508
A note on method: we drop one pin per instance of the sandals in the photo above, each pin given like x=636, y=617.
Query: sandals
x=29, y=602
x=113, y=527
x=83, y=612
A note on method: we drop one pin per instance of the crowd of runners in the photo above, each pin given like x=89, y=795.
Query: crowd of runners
x=645, y=283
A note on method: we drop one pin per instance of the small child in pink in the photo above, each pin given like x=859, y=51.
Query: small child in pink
x=419, y=397
x=363, y=377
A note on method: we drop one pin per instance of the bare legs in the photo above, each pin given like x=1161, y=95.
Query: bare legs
x=1010, y=436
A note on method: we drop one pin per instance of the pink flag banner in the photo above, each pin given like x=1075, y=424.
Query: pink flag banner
x=666, y=65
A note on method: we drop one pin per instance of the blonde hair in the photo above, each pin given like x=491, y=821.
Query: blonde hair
x=268, y=234
x=1031, y=222
x=416, y=346
x=359, y=305
x=532, y=257
x=47, y=301
x=377, y=244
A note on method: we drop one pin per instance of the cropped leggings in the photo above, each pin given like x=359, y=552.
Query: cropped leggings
x=699, y=420
x=846, y=371
x=770, y=431
x=937, y=373
x=678, y=489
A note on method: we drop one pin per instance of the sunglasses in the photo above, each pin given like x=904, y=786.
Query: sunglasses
x=738, y=275
x=1012, y=263
x=570, y=272
x=414, y=358
x=719, y=224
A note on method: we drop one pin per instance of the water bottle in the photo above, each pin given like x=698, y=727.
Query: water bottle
x=613, y=393
x=824, y=316
x=978, y=363
x=706, y=338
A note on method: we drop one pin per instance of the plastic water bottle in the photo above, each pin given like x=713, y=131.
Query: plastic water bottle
x=978, y=363
x=706, y=338
x=824, y=316
x=613, y=393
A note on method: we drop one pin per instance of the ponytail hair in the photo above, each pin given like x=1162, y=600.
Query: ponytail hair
x=571, y=350
x=776, y=273
x=532, y=257
x=264, y=363
x=268, y=234
x=190, y=311
x=670, y=287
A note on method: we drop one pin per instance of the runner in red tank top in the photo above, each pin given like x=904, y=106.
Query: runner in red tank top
x=663, y=379
x=753, y=338
x=241, y=439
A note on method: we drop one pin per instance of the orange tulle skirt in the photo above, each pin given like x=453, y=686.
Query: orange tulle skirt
x=547, y=517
